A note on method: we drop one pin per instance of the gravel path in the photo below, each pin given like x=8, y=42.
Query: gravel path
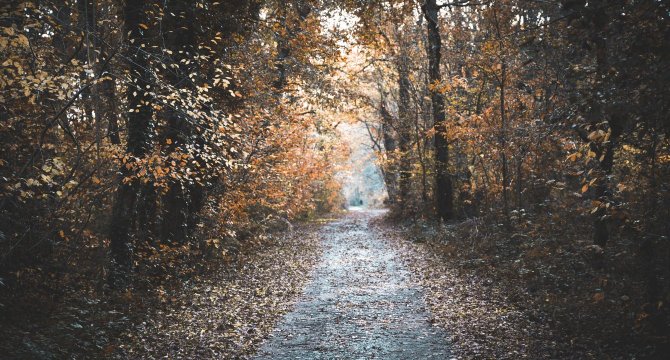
x=360, y=304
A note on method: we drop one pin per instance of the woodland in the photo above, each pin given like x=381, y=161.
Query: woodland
x=166, y=168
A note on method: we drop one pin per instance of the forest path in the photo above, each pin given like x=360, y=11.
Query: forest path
x=360, y=303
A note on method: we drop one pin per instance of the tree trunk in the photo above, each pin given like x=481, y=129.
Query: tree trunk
x=178, y=135
x=605, y=152
x=140, y=126
x=404, y=126
x=106, y=107
x=105, y=91
x=391, y=172
x=86, y=24
x=503, y=146
x=420, y=151
x=443, y=187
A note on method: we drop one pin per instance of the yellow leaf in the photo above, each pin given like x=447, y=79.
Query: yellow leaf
x=596, y=135
x=585, y=188
x=23, y=40
x=574, y=156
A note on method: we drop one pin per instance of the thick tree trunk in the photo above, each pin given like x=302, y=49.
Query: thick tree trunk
x=140, y=127
x=443, y=187
x=605, y=155
x=180, y=42
x=605, y=152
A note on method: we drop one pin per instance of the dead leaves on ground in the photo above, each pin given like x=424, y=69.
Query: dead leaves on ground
x=227, y=315
x=534, y=299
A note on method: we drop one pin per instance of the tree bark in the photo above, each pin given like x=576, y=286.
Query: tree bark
x=443, y=187
x=391, y=171
x=140, y=126
x=105, y=91
x=599, y=106
x=404, y=129
x=503, y=146
x=180, y=41
x=86, y=24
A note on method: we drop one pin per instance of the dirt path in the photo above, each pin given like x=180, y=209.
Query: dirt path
x=360, y=304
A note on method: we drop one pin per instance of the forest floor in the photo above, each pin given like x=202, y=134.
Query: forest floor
x=176, y=308
x=356, y=286
x=531, y=293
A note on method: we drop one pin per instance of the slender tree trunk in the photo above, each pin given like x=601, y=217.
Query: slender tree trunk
x=87, y=53
x=443, y=187
x=519, y=180
x=503, y=146
x=420, y=150
x=105, y=91
x=391, y=171
x=106, y=107
x=404, y=125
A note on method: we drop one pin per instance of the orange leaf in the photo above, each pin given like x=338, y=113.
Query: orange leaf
x=598, y=297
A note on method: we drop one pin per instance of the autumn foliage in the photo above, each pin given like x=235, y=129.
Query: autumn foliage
x=137, y=135
x=156, y=125
x=556, y=119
